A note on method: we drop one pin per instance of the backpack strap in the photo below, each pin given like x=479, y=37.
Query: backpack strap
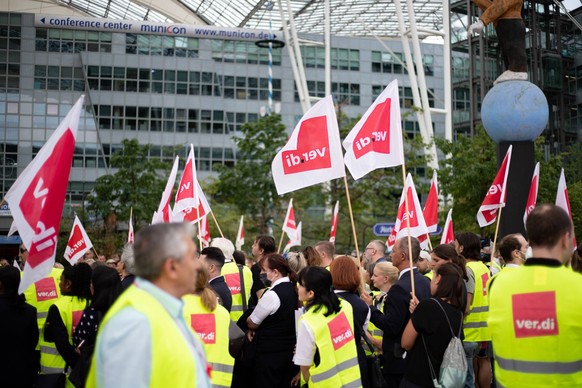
x=449, y=322
x=242, y=287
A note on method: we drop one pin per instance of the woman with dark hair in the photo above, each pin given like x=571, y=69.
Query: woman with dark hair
x=18, y=325
x=428, y=332
x=325, y=338
x=347, y=281
x=57, y=352
x=211, y=322
x=272, y=326
x=106, y=288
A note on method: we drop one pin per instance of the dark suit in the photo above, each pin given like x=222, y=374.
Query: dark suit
x=394, y=319
x=221, y=288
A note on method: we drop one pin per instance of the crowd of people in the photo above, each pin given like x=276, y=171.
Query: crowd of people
x=164, y=314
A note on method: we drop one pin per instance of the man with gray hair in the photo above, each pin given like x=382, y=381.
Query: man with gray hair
x=126, y=267
x=143, y=340
x=375, y=251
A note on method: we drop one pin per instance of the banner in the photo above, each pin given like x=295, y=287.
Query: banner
x=78, y=244
x=376, y=140
x=431, y=207
x=289, y=225
x=164, y=213
x=334, y=220
x=187, y=196
x=417, y=224
x=495, y=198
x=533, y=192
x=448, y=232
x=313, y=153
x=193, y=214
x=37, y=198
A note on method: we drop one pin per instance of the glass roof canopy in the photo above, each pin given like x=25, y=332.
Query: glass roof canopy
x=348, y=17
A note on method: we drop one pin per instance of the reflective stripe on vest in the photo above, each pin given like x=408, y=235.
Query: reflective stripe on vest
x=475, y=326
x=213, y=327
x=230, y=268
x=536, y=325
x=70, y=309
x=170, y=350
x=334, y=337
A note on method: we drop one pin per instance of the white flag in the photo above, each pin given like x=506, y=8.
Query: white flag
x=37, y=198
x=313, y=153
x=295, y=240
x=78, y=243
x=164, y=213
x=240, y=236
x=376, y=140
x=563, y=201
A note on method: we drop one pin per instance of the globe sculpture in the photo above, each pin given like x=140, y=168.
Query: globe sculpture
x=514, y=111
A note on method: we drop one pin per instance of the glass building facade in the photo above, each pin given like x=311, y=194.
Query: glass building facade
x=170, y=91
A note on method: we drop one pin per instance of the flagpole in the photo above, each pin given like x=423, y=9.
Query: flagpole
x=408, y=227
x=281, y=241
x=352, y=217
x=492, y=251
x=217, y=226
x=96, y=254
x=429, y=243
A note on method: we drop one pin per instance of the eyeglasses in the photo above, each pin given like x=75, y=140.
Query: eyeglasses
x=22, y=250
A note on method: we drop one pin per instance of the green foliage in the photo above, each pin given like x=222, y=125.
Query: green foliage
x=138, y=184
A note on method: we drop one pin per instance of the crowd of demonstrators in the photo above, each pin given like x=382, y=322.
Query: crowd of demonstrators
x=171, y=325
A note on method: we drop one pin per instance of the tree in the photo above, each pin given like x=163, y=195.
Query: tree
x=138, y=184
x=249, y=186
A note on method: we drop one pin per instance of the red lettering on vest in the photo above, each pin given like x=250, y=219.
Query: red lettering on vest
x=46, y=289
x=484, y=279
x=340, y=330
x=233, y=282
x=205, y=326
x=76, y=318
x=535, y=314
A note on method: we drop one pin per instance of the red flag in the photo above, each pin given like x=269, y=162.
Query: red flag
x=193, y=214
x=563, y=201
x=448, y=232
x=334, y=219
x=431, y=207
x=240, y=236
x=130, y=233
x=417, y=224
x=187, y=196
x=164, y=213
x=533, y=192
x=289, y=225
x=376, y=140
x=204, y=233
x=44, y=182
x=495, y=197
x=78, y=244
x=313, y=153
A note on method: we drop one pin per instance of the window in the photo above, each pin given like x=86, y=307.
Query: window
x=243, y=52
x=167, y=46
x=387, y=63
x=341, y=58
x=72, y=41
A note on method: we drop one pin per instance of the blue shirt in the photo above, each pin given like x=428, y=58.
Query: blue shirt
x=122, y=354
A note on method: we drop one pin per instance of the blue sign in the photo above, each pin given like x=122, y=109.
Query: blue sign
x=438, y=231
x=383, y=229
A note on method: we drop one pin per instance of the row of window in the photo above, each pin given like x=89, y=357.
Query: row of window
x=243, y=52
x=157, y=45
x=405, y=93
x=170, y=119
x=180, y=82
x=72, y=41
x=343, y=93
x=9, y=55
x=341, y=58
x=383, y=62
x=59, y=78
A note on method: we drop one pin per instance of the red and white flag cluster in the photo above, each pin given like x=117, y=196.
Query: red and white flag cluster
x=78, y=244
x=418, y=227
x=495, y=198
x=37, y=198
x=164, y=213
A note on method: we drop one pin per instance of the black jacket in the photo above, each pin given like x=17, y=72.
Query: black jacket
x=221, y=288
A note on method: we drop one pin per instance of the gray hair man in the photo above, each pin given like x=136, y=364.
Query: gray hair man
x=375, y=251
x=144, y=339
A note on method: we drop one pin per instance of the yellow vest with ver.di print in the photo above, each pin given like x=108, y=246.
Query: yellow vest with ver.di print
x=475, y=326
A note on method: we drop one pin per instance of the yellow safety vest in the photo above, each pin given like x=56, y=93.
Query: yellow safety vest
x=71, y=310
x=536, y=325
x=232, y=278
x=43, y=294
x=373, y=329
x=212, y=327
x=475, y=326
x=172, y=363
x=334, y=338
x=429, y=274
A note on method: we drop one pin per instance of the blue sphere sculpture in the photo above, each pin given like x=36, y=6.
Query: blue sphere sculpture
x=514, y=111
